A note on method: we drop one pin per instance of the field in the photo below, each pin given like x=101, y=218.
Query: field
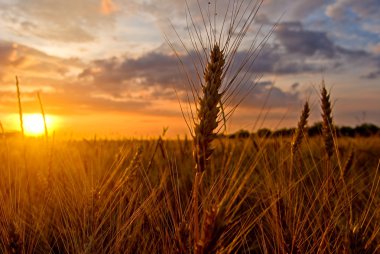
x=135, y=196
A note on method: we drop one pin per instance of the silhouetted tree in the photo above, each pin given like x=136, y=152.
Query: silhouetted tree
x=264, y=133
x=346, y=131
x=285, y=132
x=367, y=130
x=315, y=129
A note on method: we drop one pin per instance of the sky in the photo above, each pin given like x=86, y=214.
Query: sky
x=120, y=68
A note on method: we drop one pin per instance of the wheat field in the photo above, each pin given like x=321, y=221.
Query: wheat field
x=135, y=196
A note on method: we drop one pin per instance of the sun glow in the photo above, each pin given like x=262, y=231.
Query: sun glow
x=34, y=124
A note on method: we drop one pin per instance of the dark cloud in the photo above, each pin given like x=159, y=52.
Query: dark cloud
x=313, y=51
x=296, y=40
x=295, y=85
x=158, y=76
x=308, y=43
x=372, y=75
x=5, y=53
x=266, y=93
x=273, y=60
x=375, y=74
x=116, y=75
x=157, y=73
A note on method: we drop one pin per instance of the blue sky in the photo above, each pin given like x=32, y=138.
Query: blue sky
x=107, y=60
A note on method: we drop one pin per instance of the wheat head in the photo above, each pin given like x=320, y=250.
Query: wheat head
x=327, y=121
x=208, y=110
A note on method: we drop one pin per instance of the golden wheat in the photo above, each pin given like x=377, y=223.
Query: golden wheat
x=327, y=121
x=301, y=129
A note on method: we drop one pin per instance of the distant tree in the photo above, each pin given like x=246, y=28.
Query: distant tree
x=243, y=134
x=346, y=131
x=315, y=129
x=264, y=133
x=232, y=136
x=240, y=134
x=285, y=132
x=364, y=130
x=367, y=130
x=222, y=135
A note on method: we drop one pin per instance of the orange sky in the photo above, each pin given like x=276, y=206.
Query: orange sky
x=106, y=69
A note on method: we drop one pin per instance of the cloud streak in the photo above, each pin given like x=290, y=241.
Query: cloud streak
x=107, y=7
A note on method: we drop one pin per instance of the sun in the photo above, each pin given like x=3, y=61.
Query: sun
x=34, y=124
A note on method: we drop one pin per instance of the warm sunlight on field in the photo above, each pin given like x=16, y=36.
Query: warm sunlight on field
x=34, y=124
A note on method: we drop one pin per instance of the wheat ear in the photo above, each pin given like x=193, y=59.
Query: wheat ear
x=327, y=121
x=208, y=110
x=301, y=128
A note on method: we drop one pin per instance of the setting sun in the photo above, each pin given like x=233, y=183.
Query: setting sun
x=34, y=124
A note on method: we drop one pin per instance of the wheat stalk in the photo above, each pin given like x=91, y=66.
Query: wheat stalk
x=207, y=112
x=214, y=39
x=19, y=107
x=14, y=240
x=203, y=245
x=43, y=115
x=2, y=129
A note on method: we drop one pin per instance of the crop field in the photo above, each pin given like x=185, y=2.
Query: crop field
x=136, y=196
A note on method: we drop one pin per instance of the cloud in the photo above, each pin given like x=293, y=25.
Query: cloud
x=266, y=93
x=22, y=60
x=122, y=75
x=293, y=9
x=66, y=21
x=372, y=28
x=365, y=9
x=376, y=48
x=372, y=75
x=302, y=8
x=314, y=51
x=64, y=92
x=297, y=40
x=375, y=74
x=157, y=75
x=6, y=50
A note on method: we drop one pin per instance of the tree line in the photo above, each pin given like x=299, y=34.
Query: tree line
x=363, y=130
